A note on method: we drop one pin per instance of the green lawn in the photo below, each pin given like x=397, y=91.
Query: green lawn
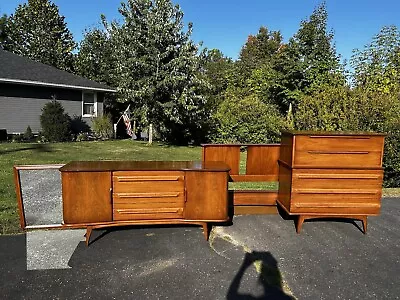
x=27, y=154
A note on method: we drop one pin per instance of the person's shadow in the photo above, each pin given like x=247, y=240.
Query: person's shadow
x=270, y=278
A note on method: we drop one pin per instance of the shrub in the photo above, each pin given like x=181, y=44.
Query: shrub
x=331, y=109
x=28, y=135
x=78, y=125
x=83, y=136
x=56, y=124
x=247, y=120
x=103, y=127
x=3, y=134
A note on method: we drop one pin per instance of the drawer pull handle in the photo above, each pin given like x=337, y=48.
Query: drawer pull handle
x=335, y=205
x=338, y=152
x=340, y=137
x=335, y=191
x=147, y=211
x=337, y=176
x=147, y=178
x=147, y=195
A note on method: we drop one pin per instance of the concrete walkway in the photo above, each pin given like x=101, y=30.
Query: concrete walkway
x=259, y=257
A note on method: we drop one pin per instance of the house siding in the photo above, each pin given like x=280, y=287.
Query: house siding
x=16, y=114
x=21, y=106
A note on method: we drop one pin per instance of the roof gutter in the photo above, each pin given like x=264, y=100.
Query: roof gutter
x=59, y=85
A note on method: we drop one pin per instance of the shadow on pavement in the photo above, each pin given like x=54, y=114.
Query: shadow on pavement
x=270, y=278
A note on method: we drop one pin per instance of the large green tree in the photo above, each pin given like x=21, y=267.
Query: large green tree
x=259, y=49
x=377, y=66
x=158, y=67
x=38, y=31
x=3, y=34
x=94, y=59
x=217, y=70
x=309, y=61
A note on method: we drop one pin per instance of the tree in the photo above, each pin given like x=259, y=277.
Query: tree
x=217, y=71
x=94, y=60
x=158, y=67
x=309, y=61
x=55, y=123
x=247, y=120
x=259, y=49
x=37, y=30
x=377, y=66
x=3, y=33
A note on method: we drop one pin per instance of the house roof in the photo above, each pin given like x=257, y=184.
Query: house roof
x=22, y=70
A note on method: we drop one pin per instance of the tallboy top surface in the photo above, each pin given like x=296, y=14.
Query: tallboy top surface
x=106, y=165
x=334, y=133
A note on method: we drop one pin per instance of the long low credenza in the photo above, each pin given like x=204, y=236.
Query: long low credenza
x=98, y=194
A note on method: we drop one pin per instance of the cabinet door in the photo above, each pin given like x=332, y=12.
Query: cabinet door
x=206, y=196
x=86, y=197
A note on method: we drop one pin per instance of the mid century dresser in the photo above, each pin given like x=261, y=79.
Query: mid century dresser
x=99, y=194
x=330, y=174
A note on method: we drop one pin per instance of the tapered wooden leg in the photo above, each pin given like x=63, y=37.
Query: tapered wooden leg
x=300, y=221
x=88, y=233
x=206, y=231
x=364, y=222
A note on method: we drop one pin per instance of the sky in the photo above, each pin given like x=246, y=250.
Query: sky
x=226, y=24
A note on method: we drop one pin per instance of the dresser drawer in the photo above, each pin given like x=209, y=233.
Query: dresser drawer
x=148, y=182
x=134, y=206
x=338, y=179
x=333, y=151
x=332, y=159
x=365, y=202
x=339, y=143
x=127, y=214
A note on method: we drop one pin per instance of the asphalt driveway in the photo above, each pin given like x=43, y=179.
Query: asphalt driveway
x=259, y=257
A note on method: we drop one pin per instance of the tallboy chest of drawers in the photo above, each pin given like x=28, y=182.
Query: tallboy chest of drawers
x=99, y=194
x=323, y=174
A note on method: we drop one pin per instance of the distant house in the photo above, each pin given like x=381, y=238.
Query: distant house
x=26, y=86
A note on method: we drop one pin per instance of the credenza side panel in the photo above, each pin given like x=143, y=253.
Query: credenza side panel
x=86, y=197
x=206, y=196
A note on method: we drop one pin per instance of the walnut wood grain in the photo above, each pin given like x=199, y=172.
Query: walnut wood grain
x=103, y=166
x=18, y=192
x=207, y=196
x=263, y=160
x=248, y=197
x=151, y=192
x=230, y=154
x=86, y=197
x=331, y=175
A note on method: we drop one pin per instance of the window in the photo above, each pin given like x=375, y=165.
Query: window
x=89, y=104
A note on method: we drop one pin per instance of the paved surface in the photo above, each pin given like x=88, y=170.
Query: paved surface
x=141, y=263
x=328, y=260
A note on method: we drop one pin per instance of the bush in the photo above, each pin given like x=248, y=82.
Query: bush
x=17, y=138
x=78, y=125
x=332, y=109
x=3, y=134
x=83, y=136
x=28, y=135
x=247, y=120
x=56, y=124
x=103, y=127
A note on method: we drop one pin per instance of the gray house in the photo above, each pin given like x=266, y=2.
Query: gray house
x=26, y=86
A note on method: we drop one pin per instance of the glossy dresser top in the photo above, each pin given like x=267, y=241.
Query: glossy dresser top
x=106, y=165
x=331, y=133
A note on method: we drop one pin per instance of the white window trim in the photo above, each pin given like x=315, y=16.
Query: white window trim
x=94, y=104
